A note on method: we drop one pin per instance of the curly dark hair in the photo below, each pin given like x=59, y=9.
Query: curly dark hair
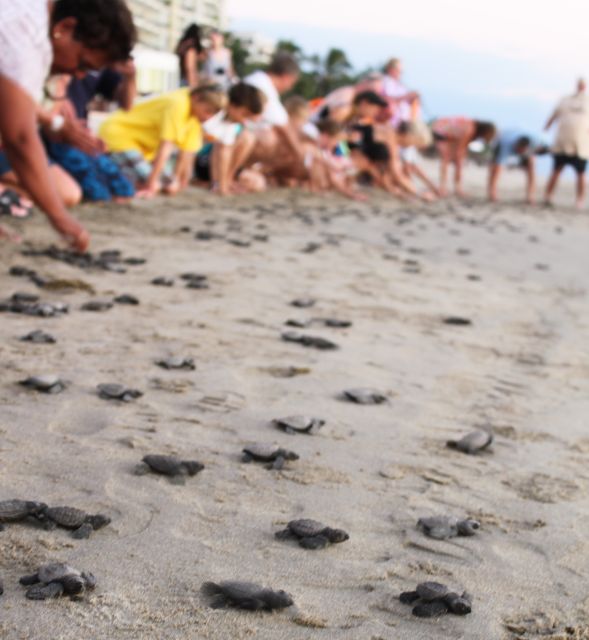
x=106, y=25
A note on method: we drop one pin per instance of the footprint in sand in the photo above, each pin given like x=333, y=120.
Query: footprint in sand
x=540, y=487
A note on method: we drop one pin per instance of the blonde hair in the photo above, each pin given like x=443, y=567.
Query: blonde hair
x=211, y=95
x=393, y=63
x=296, y=107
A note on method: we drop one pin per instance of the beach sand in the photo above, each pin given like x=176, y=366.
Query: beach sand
x=395, y=271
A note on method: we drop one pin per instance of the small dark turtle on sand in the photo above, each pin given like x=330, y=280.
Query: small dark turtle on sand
x=433, y=599
x=268, y=453
x=299, y=424
x=364, y=395
x=133, y=261
x=309, y=341
x=473, y=442
x=16, y=510
x=311, y=534
x=162, y=281
x=97, y=305
x=299, y=324
x=191, y=275
x=177, y=362
x=21, y=272
x=172, y=466
x=334, y=323
x=82, y=523
x=24, y=297
x=457, y=321
x=110, y=391
x=127, y=298
x=1, y=587
x=303, y=303
x=38, y=337
x=444, y=527
x=56, y=579
x=245, y=595
x=44, y=384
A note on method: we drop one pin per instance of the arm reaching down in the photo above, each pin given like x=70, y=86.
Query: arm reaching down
x=18, y=130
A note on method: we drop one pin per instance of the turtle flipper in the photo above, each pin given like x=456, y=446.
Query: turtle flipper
x=285, y=534
x=314, y=542
x=44, y=592
x=83, y=532
x=246, y=457
x=278, y=463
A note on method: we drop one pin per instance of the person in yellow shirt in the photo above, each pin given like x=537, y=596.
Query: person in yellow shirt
x=143, y=139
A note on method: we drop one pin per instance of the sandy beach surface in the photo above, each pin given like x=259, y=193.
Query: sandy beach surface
x=395, y=271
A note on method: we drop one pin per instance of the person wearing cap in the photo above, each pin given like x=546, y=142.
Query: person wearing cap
x=520, y=148
x=571, y=146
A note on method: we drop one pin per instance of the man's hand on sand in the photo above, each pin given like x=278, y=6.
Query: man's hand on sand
x=73, y=233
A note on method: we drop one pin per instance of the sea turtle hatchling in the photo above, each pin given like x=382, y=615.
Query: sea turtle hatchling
x=309, y=341
x=457, y=321
x=311, y=534
x=38, y=337
x=44, y=384
x=126, y=298
x=444, y=527
x=56, y=579
x=97, y=305
x=15, y=510
x=473, y=442
x=172, y=466
x=162, y=281
x=112, y=391
x=364, y=395
x=82, y=523
x=299, y=424
x=245, y=595
x=270, y=453
x=177, y=362
x=433, y=599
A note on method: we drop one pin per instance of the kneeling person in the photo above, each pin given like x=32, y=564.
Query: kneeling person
x=143, y=139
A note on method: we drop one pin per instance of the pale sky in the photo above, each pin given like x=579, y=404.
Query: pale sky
x=506, y=59
x=554, y=33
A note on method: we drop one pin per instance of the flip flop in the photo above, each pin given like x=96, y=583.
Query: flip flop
x=12, y=204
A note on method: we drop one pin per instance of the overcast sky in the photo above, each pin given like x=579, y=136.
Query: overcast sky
x=520, y=54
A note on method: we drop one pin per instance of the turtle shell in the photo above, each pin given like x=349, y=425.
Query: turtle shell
x=13, y=510
x=306, y=528
x=55, y=571
x=429, y=591
x=177, y=362
x=365, y=395
x=110, y=391
x=68, y=517
x=262, y=452
x=473, y=442
x=45, y=383
x=304, y=424
x=166, y=465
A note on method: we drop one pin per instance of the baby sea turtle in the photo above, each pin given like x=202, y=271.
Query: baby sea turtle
x=457, y=321
x=82, y=523
x=177, y=362
x=127, y=298
x=309, y=341
x=44, y=384
x=245, y=595
x=16, y=510
x=56, y=579
x=364, y=395
x=97, y=305
x=473, y=442
x=268, y=453
x=172, y=466
x=162, y=281
x=444, y=527
x=109, y=391
x=334, y=323
x=38, y=337
x=433, y=599
x=1, y=587
x=299, y=424
x=303, y=303
x=311, y=534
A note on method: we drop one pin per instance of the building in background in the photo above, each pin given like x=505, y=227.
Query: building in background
x=260, y=48
x=160, y=24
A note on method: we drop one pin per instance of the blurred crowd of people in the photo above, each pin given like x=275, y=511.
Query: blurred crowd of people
x=63, y=59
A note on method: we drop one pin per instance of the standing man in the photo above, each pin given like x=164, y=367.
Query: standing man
x=571, y=146
x=520, y=147
x=404, y=104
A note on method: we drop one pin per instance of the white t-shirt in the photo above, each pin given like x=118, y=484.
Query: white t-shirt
x=25, y=48
x=222, y=130
x=572, y=137
x=274, y=112
x=393, y=88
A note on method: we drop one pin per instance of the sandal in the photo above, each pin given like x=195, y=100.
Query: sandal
x=13, y=204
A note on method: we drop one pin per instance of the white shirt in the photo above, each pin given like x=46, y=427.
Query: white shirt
x=393, y=88
x=572, y=137
x=274, y=112
x=25, y=48
x=222, y=130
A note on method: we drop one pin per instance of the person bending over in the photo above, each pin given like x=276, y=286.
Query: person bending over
x=143, y=139
x=62, y=36
x=453, y=136
x=519, y=147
